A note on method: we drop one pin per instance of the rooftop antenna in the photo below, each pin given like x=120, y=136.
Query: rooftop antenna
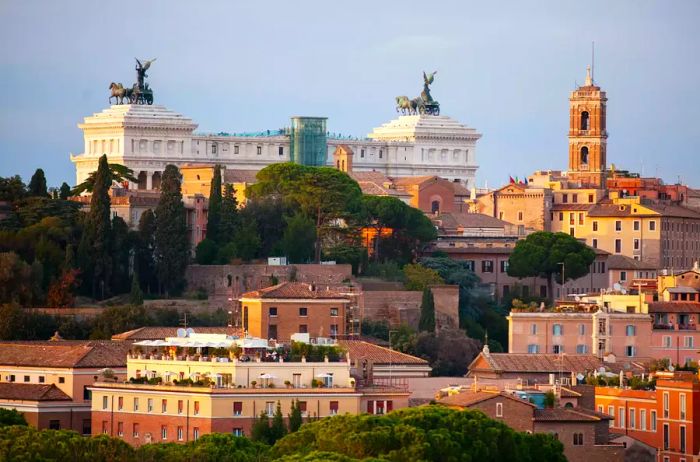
x=593, y=61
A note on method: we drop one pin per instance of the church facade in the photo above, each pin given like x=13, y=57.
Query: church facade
x=146, y=138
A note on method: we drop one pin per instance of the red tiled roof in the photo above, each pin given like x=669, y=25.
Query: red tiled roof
x=624, y=262
x=360, y=350
x=159, y=333
x=295, y=290
x=674, y=307
x=31, y=392
x=567, y=393
x=68, y=354
x=569, y=414
x=545, y=363
x=240, y=176
x=469, y=398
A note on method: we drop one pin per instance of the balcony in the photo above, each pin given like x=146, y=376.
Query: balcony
x=687, y=327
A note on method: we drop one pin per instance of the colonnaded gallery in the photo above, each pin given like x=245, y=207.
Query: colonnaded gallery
x=146, y=137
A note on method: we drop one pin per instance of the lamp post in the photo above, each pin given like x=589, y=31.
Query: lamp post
x=391, y=378
x=563, y=279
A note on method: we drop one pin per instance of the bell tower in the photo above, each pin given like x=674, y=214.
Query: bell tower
x=587, y=134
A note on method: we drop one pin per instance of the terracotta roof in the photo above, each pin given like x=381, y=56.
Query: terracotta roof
x=609, y=209
x=460, y=190
x=624, y=262
x=568, y=393
x=370, y=176
x=31, y=392
x=674, y=211
x=682, y=290
x=68, y=354
x=415, y=180
x=569, y=414
x=360, y=350
x=674, y=307
x=159, y=333
x=240, y=176
x=544, y=363
x=469, y=398
x=295, y=290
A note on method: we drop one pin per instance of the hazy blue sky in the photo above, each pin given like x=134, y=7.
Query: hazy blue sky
x=505, y=68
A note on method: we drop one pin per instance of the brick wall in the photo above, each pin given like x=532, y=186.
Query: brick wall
x=446, y=299
x=395, y=306
x=583, y=453
x=516, y=415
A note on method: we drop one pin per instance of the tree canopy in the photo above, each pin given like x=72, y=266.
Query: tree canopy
x=118, y=173
x=37, y=185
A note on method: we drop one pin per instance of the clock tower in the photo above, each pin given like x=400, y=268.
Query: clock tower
x=587, y=134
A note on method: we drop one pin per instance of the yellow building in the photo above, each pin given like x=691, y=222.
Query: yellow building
x=196, y=180
x=181, y=389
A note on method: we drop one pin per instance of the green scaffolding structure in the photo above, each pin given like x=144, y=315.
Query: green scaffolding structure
x=308, y=143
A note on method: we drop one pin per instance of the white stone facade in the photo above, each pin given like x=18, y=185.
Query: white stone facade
x=147, y=138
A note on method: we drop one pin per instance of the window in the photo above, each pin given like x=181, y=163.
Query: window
x=666, y=436
x=235, y=149
x=561, y=216
x=621, y=414
x=584, y=155
x=666, y=341
x=572, y=218
x=150, y=404
x=135, y=431
x=499, y=409
x=470, y=265
x=636, y=225
x=334, y=312
x=259, y=150
x=565, y=198
x=578, y=439
x=42, y=379
x=630, y=330
x=272, y=331
x=380, y=153
x=618, y=245
x=280, y=150
x=584, y=123
x=633, y=418
x=120, y=403
x=504, y=266
x=180, y=406
x=487, y=266
x=533, y=329
x=302, y=407
x=682, y=405
x=581, y=329
x=618, y=225
x=120, y=428
x=296, y=380
x=180, y=434
x=237, y=408
x=164, y=406
x=196, y=408
x=643, y=419
x=682, y=438
x=652, y=420
x=590, y=198
x=362, y=153
x=136, y=404
x=303, y=328
x=105, y=427
x=557, y=349
x=195, y=433
x=688, y=342
x=533, y=349
x=581, y=349
x=652, y=225
x=594, y=243
x=56, y=425
x=630, y=350
x=334, y=330
x=213, y=148
x=611, y=413
x=623, y=275
x=26, y=378
x=303, y=312
x=273, y=311
x=87, y=426
x=61, y=380
x=580, y=218
x=270, y=408
x=105, y=402
x=666, y=400
x=333, y=407
x=636, y=244
x=238, y=432
x=574, y=198
x=557, y=329
x=520, y=216
x=163, y=432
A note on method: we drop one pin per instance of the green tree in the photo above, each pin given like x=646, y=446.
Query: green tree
x=11, y=417
x=418, y=277
x=11, y=321
x=261, y=429
x=145, y=250
x=37, y=185
x=299, y=238
x=427, y=312
x=214, y=213
x=16, y=279
x=206, y=252
x=136, y=295
x=12, y=189
x=457, y=273
x=246, y=241
x=381, y=213
x=544, y=254
x=172, y=248
x=268, y=214
x=229, y=214
x=121, y=255
x=449, y=352
x=117, y=173
x=64, y=192
x=295, y=417
x=94, y=252
x=277, y=428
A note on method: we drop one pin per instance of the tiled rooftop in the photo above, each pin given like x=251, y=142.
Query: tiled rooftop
x=64, y=353
x=360, y=350
x=295, y=290
x=31, y=392
x=469, y=398
x=159, y=333
x=563, y=414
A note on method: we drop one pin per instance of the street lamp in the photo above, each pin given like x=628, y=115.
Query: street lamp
x=563, y=279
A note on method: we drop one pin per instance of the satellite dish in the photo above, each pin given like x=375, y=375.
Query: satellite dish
x=189, y=331
x=181, y=332
x=617, y=286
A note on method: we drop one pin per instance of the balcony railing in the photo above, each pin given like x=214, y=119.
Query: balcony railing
x=687, y=327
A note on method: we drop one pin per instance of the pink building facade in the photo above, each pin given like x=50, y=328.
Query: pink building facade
x=599, y=333
x=675, y=335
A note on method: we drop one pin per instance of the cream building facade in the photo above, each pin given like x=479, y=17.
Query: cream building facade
x=147, y=138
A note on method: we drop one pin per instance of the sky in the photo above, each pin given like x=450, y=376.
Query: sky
x=505, y=68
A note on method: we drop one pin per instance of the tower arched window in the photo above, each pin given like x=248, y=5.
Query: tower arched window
x=584, y=155
x=584, y=120
x=435, y=207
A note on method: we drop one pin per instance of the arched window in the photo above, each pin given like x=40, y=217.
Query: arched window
x=435, y=207
x=584, y=120
x=337, y=164
x=584, y=155
x=230, y=279
x=342, y=163
x=569, y=404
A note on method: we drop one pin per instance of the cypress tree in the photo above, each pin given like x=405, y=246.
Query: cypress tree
x=229, y=215
x=37, y=185
x=277, y=429
x=214, y=215
x=121, y=254
x=261, y=429
x=295, y=418
x=94, y=251
x=172, y=247
x=136, y=295
x=427, y=312
x=145, y=263
x=64, y=192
